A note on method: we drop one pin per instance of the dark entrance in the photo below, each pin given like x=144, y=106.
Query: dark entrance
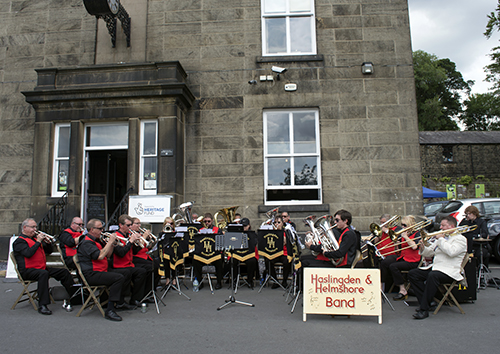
x=107, y=176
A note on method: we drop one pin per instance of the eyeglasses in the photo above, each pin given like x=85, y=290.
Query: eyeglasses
x=128, y=225
x=32, y=226
x=207, y=220
x=337, y=220
x=78, y=224
x=99, y=228
x=404, y=225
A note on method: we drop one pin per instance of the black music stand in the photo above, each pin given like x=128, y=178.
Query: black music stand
x=176, y=248
x=152, y=292
x=263, y=250
x=233, y=241
x=484, y=273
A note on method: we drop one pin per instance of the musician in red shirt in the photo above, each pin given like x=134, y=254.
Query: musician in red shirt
x=30, y=249
x=406, y=259
x=93, y=259
x=68, y=240
x=122, y=260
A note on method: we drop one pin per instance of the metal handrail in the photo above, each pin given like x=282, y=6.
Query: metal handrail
x=122, y=208
x=54, y=221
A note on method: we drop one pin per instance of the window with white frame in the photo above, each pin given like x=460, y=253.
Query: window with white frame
x=60, y=168
x=288, y=27
x=292, y=169
x=149, y=157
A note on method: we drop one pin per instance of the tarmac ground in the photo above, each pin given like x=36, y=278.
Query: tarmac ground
x=197, y=326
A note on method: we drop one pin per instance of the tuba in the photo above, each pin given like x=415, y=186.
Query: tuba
x=184, y=214
x=328, y=240
x=227, y=215
x=313, y=235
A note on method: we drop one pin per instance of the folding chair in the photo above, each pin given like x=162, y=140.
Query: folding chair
x=92, y=299
x=31, y=295
x=73, y=273
x=208, y=271
x=446, y=289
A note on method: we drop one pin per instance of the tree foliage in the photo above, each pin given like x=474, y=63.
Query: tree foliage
x=493, y=69
x=438, y=88
x=481, y=112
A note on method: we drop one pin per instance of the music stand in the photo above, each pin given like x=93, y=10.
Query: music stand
x=270, y=250
x=484, y=273
x=176, y=251
x=152, y=292
x=233, y=241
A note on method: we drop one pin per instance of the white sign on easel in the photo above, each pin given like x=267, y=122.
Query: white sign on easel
x=11, y=271
x=342, y=291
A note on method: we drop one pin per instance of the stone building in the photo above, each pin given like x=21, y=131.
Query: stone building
x=462, y=158
x=193, y=108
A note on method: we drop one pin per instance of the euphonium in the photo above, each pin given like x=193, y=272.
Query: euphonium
x=428, y=237
x=46, y=237
x=313, y=235
x=227, y=215
x=271, y=214
x=328, y=241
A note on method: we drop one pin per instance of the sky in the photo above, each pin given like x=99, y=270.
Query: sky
x=454, y=29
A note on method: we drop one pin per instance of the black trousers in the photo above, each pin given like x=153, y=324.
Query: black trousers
x=114, y=281
x=392, y=267
x=286, y=267
x=219, y=268
x=309, y=260
x=251, y=267
x=135, y=275
x=42, y=276
x=150, y=267
x=425, y=283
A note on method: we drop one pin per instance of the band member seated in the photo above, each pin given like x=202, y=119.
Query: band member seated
x=279, y=225
x=408, y=258
x=142, y=259
x=168, y=226
x=251, y=263
x=472, y=218
x=347, y=240
x=448, y=253
x=122, y=260
x=219, y=265
x=93, y=258
x=30, y=249
x=68, y=240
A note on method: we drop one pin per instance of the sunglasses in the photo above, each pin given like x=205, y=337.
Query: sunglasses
x=128, y=225
x=78, y=224
x=404, y=225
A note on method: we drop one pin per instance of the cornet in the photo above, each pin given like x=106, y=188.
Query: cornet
x=106, y=235
x=51, y=240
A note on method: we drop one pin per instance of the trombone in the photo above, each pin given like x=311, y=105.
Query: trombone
x=376, y=230
x=427, y=238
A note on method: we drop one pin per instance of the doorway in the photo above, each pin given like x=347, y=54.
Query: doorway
x=106, y=178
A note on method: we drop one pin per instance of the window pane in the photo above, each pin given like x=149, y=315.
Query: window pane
x=300, y=5
x=63, y=148
x=278, y=134
x=276, y=35
x=306, y=171
x=149, y=139
x=293, y=195
x=62, y=176
x=278, y=172
x=274, y=6
x=107, y=135
x=304, y=133
x=300, y=34
x=150, y=172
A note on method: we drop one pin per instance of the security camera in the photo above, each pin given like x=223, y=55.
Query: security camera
x=278, y=70
x=252, y=82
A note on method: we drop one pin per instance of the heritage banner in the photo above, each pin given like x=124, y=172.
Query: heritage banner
x=342, y=291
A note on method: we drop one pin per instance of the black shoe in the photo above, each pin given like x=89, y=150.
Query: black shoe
x=218, y=286
x=44, y=310
x=275, y=286
x=201, y=286
x=125, y=306
x=432, y=306
x=284, y=284
x=135, y=303
x=112, y=316
x=420, y=315
x=400, y=297
x=149, y=300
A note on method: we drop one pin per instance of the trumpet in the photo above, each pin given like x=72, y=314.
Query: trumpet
x=427, y=238
x=51, y=240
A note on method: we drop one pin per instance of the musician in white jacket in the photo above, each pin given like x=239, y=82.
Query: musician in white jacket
x=448, y=253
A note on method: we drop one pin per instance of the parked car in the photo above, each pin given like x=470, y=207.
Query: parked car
x=489, y=210
x=431, y=209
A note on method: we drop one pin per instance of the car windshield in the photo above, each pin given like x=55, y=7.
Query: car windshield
x=432, y=208
x=452, y=206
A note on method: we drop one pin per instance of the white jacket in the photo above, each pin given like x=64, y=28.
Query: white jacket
x=448, y=253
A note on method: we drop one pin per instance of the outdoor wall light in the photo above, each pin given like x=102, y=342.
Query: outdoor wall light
x=367, y=68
